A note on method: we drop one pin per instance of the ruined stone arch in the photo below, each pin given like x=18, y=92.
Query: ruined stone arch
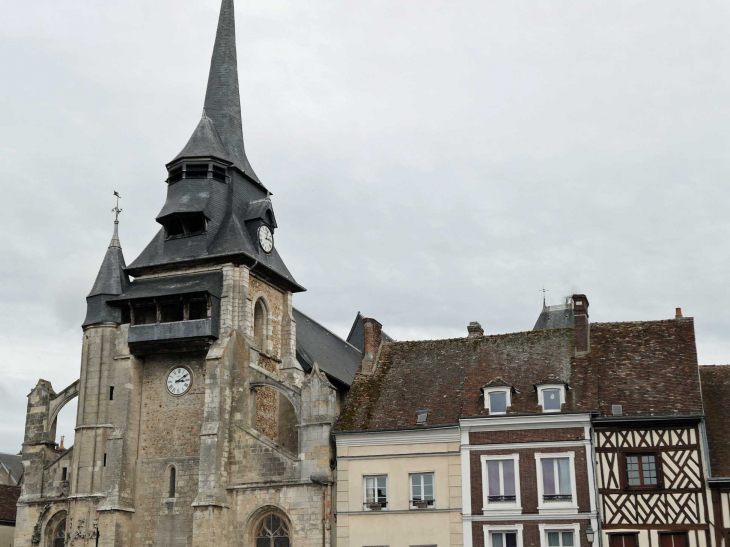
x=270, y=526
x=56, y=405
x=276, y=414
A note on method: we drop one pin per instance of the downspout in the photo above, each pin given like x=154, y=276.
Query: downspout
x=599, y=519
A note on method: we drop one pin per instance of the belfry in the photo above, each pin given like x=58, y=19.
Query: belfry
x=205, y=399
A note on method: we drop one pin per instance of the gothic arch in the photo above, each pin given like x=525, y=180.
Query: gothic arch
x=61, y=400
x=267, y=524
x=262, y=322
x=55, y=530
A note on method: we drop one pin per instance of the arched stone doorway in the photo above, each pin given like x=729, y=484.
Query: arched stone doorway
x=56, y=530
x=272, y=530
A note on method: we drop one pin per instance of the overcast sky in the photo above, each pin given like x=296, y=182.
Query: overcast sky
x=433, y=162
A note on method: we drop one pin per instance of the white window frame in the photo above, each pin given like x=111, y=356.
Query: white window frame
x=365, y=491
x=490, y=390
x=541, y=400
x=503, y=528
x=556, y=507
x=500, y=507
x=545, y=528
x=410, y=489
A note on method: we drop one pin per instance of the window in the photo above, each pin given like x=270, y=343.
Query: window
x=172, y=311
x=183, y=225
x=198, y=309
x=560, y=535
x=560, y=539
x=64, y=473
x=176, y=174
x=501, y=483
x=499, y=535
x=422, y=490
x=111, y=393
x=551, y=397
x=497, y=400
x=145, y=313
x=421, y=417
x=104, y=459
x=623, y=540
x=196, y=171
x=259, y=324
x=173, y=477
x=272, y=531
x=641, y=471
x=503, y=539
x=59, y=536
x=556, y=481
x=376, y=492
x=673, y=540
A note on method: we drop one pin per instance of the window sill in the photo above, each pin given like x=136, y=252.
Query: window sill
x=502, y=510
x=557, y=509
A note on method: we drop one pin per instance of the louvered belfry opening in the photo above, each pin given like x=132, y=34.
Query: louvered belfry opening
x=197, y=170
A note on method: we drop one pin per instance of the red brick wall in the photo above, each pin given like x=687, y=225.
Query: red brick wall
x=528, y=477
x=527, y=436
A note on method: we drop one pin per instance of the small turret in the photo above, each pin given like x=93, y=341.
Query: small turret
x=111, y=281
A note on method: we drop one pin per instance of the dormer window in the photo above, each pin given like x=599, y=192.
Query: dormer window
x=185, y=225
x=189, y=307
x=497, y=399
x=551, y=397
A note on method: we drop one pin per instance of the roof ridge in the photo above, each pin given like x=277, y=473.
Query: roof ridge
x=325, y=328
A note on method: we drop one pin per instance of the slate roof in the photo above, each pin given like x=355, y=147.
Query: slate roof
x=13, y=463
x=227, y=205
x=222, y=96
x=180, y=284
x=111, y=280
x=315, y=343
x=357, y=333
x=555, y=317
x=639, y=365
x=8, y=503
x=715, y=388
x=205, y=142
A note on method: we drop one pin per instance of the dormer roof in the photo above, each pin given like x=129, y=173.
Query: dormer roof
x=205, y=142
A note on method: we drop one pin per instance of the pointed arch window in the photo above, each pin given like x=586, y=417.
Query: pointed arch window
x=273, y=531
x=173, y=477
x=59, y=536
x=260, y=326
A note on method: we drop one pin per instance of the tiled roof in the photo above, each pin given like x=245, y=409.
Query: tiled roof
x=639, y=365
x=715, y=389
x=8, y=499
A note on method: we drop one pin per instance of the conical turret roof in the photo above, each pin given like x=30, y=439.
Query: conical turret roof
x=111, y=279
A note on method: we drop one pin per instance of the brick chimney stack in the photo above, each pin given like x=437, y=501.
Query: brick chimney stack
x=474, y=329
x=582, y=325
x=373, y=333
x=678, y=314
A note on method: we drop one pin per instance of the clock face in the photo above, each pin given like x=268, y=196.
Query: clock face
x=266, y=239
x=179, y=381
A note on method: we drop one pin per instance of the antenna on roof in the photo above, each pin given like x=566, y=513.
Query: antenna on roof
x=543, y=291
x=116, y=209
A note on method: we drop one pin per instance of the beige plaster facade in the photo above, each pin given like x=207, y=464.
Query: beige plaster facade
x=398, y=455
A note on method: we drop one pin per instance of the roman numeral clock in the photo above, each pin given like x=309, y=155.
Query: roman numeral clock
x=179, y=381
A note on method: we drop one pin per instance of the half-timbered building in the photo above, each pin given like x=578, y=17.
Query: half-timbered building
x=715, y=388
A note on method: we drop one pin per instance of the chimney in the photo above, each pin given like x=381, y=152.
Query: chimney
x=60, y=446
x=678, y=313
x=373, y=334
x=582, y=326
x=474, y=329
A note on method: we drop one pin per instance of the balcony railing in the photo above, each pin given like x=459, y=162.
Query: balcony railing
x=501, y=499
x=557, y=497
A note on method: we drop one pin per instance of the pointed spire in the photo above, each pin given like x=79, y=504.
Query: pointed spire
x=111, y=281
x=222, y=97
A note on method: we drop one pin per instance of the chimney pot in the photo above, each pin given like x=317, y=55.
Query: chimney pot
x=678, y=314
x=474, y=329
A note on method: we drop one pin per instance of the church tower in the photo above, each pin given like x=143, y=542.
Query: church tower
x=201, y=419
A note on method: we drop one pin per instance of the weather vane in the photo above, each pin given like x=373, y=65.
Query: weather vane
x=543, y=291
x=116, y=209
